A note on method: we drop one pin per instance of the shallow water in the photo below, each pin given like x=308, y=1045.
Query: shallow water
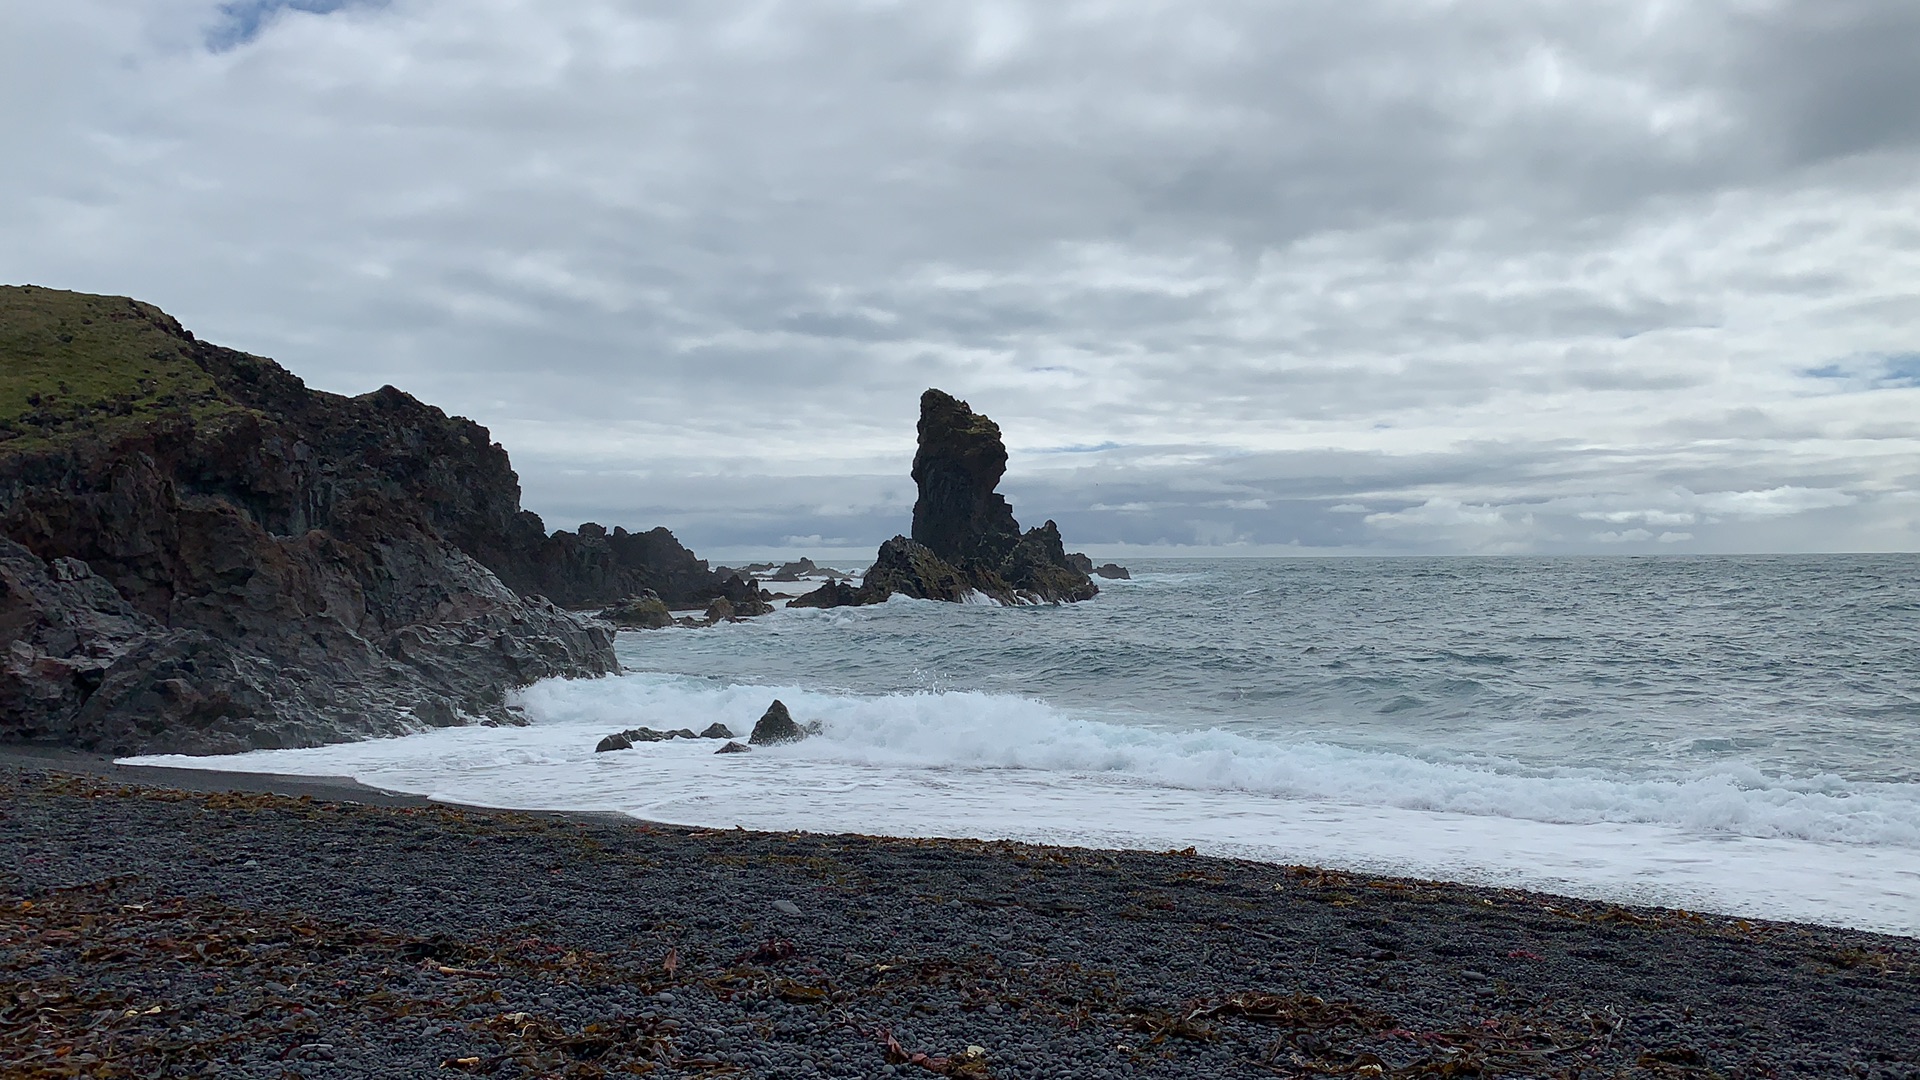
x=1729, y=734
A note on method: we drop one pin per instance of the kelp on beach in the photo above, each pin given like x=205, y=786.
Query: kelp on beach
x=147, y=932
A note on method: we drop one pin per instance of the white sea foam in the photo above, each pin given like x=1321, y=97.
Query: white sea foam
x=986, y=765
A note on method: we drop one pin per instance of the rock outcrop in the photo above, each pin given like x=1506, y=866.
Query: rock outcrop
x=644, y=612
x=591, y=566
x=776, y=726
x=965, y=539
x=1113, y=572
x=200, y=554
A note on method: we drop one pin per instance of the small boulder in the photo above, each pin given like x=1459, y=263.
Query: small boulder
x=720, y=610
x=776, y=726
x=1113, y=571
x=732, y=748
x=831, y=595
x=617, y=741
x=717, y=731
x=643, y=612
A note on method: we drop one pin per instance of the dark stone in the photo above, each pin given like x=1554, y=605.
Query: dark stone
x=794, y=571
x=965, y=538
x=831, y=595
x=912, y=569
x=1037, y=567
x=960, y=460
x=717, y=731
x=595, y=566
x=776, y=726
x=644, y=612
x=720, y=610
x=732, y=748
x=616, y=741
x=257, y=564
x=1080, y=562
x=1113, y=571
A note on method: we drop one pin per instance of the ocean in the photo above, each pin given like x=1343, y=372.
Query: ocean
x=1728, y=734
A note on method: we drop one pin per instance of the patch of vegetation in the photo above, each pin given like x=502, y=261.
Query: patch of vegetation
x=75, y=365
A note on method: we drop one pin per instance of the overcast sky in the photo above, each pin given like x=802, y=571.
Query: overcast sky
x=1234, y=277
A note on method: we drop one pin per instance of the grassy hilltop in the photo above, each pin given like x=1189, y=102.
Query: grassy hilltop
x=73, y=364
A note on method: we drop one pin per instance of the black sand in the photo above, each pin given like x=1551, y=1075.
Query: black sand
x=331, y=931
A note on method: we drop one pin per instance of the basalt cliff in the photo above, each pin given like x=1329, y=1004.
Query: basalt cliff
x=965, y=539
x=200, y=554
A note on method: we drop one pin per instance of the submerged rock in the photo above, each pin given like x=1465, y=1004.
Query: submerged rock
x=776, y=726
x=732, y=748
x=624, y=740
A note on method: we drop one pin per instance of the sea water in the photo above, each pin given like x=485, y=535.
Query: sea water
x=1729, y=734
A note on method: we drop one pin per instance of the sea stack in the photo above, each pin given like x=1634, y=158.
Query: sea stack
x=965, y=539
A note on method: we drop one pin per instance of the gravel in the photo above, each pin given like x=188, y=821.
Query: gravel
x=156, y=932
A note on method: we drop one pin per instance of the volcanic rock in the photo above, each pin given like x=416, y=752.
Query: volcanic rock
x=644, y=612
x=1037, y=566
x=910, y=568
x=201, y=555
x=831, y=595
x=794, y=571
x=965, y=538
x=616, y=741
x=717, y=731
x=1113, y=571
x=732, y=748
x=1080, y=562
x=776, y=726
x=958, y=515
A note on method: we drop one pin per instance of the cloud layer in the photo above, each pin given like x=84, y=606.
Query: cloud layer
x=1381, y=276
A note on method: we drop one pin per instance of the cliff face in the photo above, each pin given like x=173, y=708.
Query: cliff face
x=198, y=553
x=965, y=538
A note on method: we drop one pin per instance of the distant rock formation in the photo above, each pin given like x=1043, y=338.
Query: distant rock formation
x=592, y=566
x=199, y=554
x=1113, y=572
x=794, y=571
x=965, y=538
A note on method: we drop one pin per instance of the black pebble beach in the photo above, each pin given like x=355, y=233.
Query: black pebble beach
x=150, y=931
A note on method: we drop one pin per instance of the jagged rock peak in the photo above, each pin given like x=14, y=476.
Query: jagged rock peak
x=960, y=460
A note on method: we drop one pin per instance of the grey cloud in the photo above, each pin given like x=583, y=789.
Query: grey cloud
x=689, y=260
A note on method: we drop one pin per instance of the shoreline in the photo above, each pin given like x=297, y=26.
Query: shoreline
x=728, y=952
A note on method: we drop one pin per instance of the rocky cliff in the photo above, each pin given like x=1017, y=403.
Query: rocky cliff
x=198, y=553
x=965, y=538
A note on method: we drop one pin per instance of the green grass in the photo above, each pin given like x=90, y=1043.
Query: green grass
x=74, y=365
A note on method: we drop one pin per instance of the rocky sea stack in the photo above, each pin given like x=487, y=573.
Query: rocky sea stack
x=965, y=539
x=200, y=554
